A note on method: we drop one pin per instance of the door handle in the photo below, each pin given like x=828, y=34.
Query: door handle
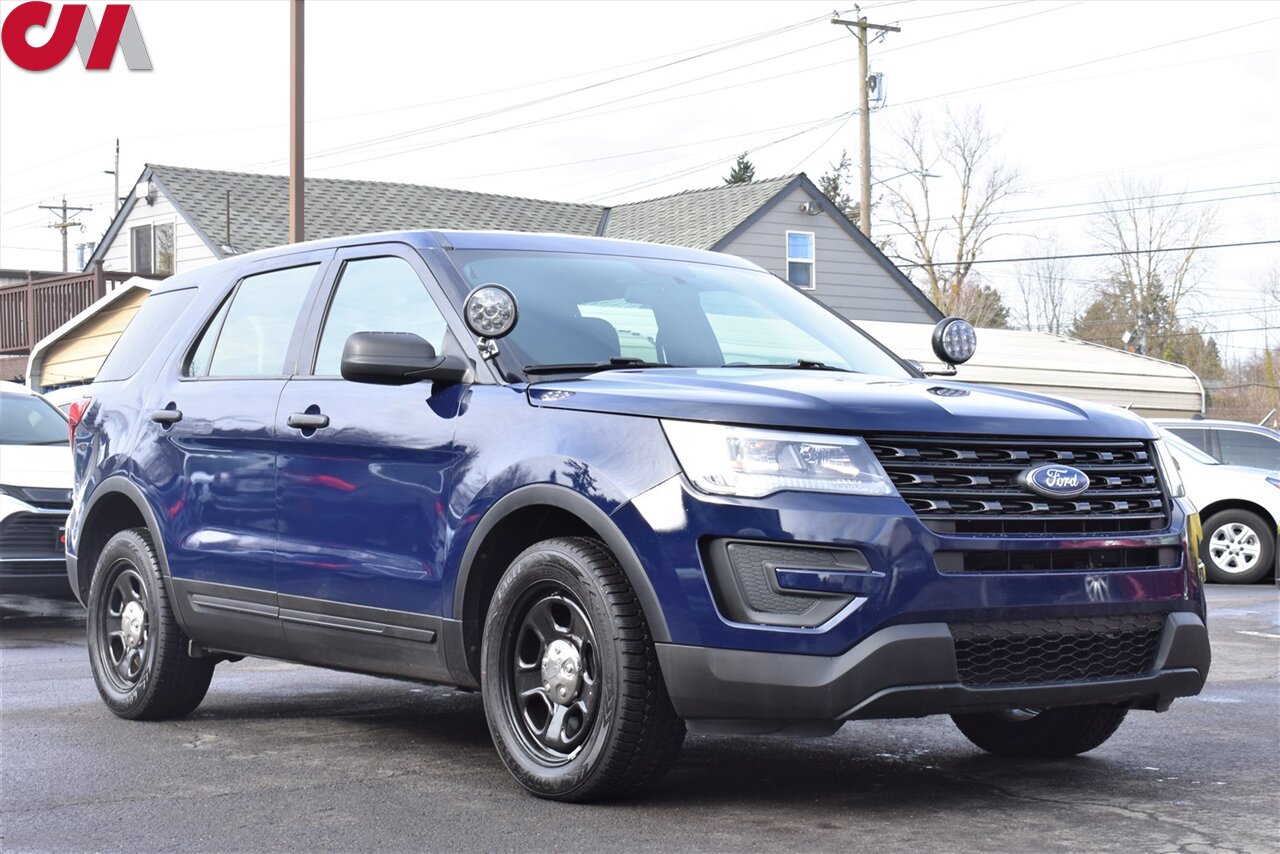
x=308, y=420
x=167, y=416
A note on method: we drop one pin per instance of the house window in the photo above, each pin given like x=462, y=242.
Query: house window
x=152, y=248
x=800, y=259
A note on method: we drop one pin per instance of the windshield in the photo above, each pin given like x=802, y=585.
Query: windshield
x=1187, y=450
x=579, y=309
x=29, y=420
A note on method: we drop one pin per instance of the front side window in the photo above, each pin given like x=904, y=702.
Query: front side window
x=580, y=309
x=377, y=295
x=29, y=420
x=249, y=336
x=801, y=258
x=152, y=248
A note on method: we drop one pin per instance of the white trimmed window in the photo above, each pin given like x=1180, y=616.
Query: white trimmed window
x=152, y=248
x=801, y=259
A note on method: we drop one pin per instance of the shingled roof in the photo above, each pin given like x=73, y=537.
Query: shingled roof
x=698, y=219
x=260, y=208
x=260, y=213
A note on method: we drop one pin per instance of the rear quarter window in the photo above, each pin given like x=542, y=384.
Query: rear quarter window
x=155, y=317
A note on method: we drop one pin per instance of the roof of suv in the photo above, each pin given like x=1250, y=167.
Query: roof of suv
x=527, y=241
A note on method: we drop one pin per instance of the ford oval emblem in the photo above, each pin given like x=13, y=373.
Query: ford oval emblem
x=1054, y=481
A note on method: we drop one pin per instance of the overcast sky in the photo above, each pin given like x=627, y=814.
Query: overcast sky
x=611, y=101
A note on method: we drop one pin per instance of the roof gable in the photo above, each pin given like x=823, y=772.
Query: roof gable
x=699, y=219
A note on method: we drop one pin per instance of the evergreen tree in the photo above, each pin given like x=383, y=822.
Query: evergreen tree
x=743, y=171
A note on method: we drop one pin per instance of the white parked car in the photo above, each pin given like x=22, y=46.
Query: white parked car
x=1239, y=509
x=35, y=494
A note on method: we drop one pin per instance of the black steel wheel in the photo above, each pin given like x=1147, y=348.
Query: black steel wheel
x=572, y=691
x=1042, y=733
x=552, y=693
x=137, y=652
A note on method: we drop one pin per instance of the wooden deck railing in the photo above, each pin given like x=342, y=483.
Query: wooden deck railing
x=32, y=309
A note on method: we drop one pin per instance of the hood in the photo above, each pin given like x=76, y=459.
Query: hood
x=826, y=400
x=36, y=465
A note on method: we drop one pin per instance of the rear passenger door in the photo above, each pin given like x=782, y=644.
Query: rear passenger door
x=214, y=421
x=363, y=471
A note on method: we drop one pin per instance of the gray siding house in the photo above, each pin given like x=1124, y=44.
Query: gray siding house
x=179, y=219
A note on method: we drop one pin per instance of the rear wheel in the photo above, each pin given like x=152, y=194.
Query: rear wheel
x=572, y=691
x=137, y=652
x=1041, y=733
x=1239, y=547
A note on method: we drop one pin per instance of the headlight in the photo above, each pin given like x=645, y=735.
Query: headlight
x=1169, y=468
x=753, y=463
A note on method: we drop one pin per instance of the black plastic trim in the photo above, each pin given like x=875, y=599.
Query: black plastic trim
x=118, y=485
x=901, y=671
x=583, y=508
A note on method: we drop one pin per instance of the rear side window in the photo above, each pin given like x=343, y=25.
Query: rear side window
x=250, y=334
x=155, y=317
x=1242, y=448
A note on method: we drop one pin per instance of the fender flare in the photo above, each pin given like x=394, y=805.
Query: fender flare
x=119, y=485
x=563, y=498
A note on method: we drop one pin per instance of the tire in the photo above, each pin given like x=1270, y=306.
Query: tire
x=136, y=650
x=1043, y=734
x=1239, y=547
x=572, y=692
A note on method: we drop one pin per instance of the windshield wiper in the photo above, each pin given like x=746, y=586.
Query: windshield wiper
x=798, y=364
x=614, y=364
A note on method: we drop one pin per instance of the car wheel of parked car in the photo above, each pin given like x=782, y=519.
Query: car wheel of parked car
x=1041, y=733
x=1239, y=547
x=572, y=691
x=138, y=653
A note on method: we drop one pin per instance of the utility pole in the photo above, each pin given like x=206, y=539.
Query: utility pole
x=64, y=223
x=297, y=196
x=864, y=113
x=115, y=200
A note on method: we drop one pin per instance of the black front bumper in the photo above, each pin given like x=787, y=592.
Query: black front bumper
x=901, y=671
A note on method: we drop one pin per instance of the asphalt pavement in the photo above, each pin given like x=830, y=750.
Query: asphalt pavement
x=287, y=758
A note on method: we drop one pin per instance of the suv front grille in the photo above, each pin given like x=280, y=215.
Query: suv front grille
x=1015, y=652
x=970, y=485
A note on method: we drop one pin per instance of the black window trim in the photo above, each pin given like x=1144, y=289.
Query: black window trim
x=309, y=347
x=322, y=259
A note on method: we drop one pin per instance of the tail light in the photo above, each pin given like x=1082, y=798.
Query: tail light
x=75, y=415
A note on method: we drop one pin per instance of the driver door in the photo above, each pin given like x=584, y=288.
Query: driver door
x=362, y=475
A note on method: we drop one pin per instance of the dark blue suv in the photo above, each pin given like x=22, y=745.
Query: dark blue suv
x=622, y=490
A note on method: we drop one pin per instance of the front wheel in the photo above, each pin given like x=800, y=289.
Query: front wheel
x=573, y=695
x=1239, y=547
x=1041, y=733
x=136, y=649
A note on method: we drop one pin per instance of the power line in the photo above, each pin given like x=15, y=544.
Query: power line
x=1196, y=37
x=1096, y=254
x=348, y=147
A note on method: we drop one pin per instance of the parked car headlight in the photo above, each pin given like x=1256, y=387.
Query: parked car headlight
x=753, y=463
x=1169, y=468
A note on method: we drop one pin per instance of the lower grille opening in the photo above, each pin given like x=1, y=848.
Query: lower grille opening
x=1058, y=560
x=1069, y=649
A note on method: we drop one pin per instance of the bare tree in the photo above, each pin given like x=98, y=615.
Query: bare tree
x=948, y=235
x=1154, y=235
x=1048, y=302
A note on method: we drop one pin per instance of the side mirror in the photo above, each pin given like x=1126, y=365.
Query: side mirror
x=954, y=341
x=398, y=358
